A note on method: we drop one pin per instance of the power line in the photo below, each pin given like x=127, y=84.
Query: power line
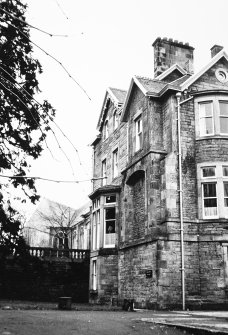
x=31, y=26
x=52, y=180
x=52, y=120
x=28, y=110
x=55, y=59
x=61, y=10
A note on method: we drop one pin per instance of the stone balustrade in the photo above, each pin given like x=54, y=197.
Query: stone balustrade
x=75, y=254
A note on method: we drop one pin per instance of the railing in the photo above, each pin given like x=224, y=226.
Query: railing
x=58, y=253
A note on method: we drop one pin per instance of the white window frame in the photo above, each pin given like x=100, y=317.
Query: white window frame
x=96, y=224
x=219, y=180
x=224, y=116
x=104, y=171
x=115, y=163
x=203, y=118
x=138, y=133
x=215, y=100
x=94, y=275
x=105, y=222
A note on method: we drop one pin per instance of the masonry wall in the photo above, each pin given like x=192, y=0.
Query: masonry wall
x=44, y=280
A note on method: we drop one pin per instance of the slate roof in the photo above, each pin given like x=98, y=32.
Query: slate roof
x=151, y=85
x=119, y=94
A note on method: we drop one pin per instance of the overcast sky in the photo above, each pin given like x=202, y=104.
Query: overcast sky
x=108, y=42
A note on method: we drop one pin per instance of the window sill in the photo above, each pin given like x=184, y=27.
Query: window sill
x=206, y=137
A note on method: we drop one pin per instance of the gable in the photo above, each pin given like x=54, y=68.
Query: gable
x=216, y=59
x=176, y=74
x=209, y=81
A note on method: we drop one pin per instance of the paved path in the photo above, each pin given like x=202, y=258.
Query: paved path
x=194, y=321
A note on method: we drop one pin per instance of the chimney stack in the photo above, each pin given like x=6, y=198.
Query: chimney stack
x=168, y=52
x=215, y=49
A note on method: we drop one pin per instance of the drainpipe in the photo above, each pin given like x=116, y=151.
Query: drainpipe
x=178, y=95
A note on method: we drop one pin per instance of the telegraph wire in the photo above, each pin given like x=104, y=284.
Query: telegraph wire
x=47, y=54
x=52, y=180
x=62, y=10
x=28, y=110
x=51, y=119
x=31, y=26
x=76, y=150
x=40, y=127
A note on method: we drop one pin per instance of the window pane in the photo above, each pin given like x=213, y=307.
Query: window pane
x=224, y=125
x=225, y=189
x=225, y=171
x=205, y=109
x=208, y=172
x=210, y=202
x=110, y=227
x=110, y=199
x=209, y=190
x=206, y=126
x=226, y=202
x=223, y=106
x=110, y=213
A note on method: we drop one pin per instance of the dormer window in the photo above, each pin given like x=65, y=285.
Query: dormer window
x=106, y=130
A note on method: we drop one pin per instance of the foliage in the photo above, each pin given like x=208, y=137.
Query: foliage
x=24, y=122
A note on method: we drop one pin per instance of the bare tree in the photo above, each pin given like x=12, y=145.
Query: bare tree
x=59, y=219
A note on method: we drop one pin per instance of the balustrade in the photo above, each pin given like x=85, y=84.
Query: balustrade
x=58, y=253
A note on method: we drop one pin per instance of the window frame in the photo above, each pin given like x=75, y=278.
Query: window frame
x=115, y=163
x=216, y=115
x=138, y=132
x=219, y=179
x=108, y=205
x=104, y=172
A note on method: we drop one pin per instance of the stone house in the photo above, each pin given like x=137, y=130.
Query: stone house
x=160, y=192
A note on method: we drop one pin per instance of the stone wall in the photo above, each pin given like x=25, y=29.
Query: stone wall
x=44, y=280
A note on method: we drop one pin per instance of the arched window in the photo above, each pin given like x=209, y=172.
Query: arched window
x=60, y=241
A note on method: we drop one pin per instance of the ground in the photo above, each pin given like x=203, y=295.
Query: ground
x=55, y=322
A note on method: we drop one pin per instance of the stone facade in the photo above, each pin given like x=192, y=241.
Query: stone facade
x=144, y=263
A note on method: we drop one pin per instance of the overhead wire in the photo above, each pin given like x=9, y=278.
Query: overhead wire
x=55, y=59
x=76, y=150
x=52, y=180
x=40, y=127
x=62, y=10
x=26, y=107
x=31, y=26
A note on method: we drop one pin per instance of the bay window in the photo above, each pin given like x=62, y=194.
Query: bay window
x=214, y=190
x=211, y=115
x=110, y=221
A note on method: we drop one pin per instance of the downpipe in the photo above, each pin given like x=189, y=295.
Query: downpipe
x=179, y=103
